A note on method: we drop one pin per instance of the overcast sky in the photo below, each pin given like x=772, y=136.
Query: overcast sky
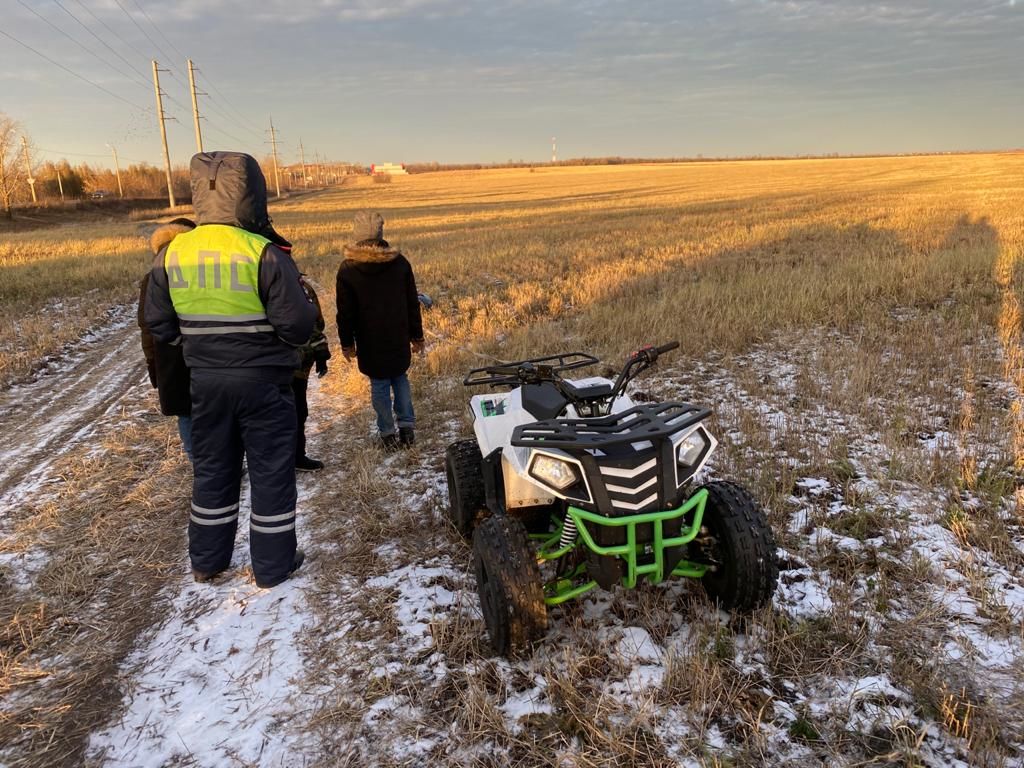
x=492, y=80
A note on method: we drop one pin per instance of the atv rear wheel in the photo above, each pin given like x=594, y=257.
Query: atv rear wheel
x=509, y=584
x=740, y=547
x=466, y=496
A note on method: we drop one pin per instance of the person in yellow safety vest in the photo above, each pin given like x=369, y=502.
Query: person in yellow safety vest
x=236, y=302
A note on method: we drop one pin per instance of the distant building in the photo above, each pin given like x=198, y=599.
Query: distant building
x=389, y=169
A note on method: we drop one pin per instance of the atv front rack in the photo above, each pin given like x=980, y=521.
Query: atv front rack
x=640, y=559
x=642, y=422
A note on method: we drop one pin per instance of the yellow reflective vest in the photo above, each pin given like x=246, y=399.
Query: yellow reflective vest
x=213, y=280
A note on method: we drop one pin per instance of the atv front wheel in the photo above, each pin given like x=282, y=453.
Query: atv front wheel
x=739, y=547
x=509, y=584
x=466, y=495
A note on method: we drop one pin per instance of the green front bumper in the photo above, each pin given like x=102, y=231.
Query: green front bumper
x=632, y=552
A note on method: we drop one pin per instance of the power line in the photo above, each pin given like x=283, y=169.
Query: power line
x=175, y=101
x=106, y=26
x=92, y=53
x=249, y=126
x=82, y=154
x=104, y=42
x=229, y=119
x=72, y=72
x=142, y=82
x=241, y=142
x=158, y=30
x=216, y=108
x=144, y=32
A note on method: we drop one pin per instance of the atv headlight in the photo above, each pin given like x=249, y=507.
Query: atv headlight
x=691, y=447
x=554, y=472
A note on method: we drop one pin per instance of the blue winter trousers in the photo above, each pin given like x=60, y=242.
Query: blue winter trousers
x=235, y=412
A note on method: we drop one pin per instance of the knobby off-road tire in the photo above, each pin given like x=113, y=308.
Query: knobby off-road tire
x=509, y=585
x=747, y=572
x=466, y=495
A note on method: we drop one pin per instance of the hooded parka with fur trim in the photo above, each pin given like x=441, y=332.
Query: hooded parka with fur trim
x=166, y=364
x=378, y=308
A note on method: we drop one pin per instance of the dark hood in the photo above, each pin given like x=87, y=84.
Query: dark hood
x=229, y=188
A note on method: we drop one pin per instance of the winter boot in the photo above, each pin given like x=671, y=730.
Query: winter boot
x=390, y=443
x=205, y=577
x=300, y=558
x=406, y=436
x=306, y=464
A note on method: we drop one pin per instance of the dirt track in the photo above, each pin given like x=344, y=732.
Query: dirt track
x=45, y=417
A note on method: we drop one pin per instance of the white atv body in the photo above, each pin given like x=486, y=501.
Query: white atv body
x=569, y=485
x=495, y=417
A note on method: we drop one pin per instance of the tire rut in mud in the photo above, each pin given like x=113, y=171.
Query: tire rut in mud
x=44, y=418
x=88, y=491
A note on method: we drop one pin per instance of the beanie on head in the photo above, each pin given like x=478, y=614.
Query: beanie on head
x=368, y=225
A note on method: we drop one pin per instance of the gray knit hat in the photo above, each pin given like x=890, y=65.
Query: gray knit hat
x=368, y=225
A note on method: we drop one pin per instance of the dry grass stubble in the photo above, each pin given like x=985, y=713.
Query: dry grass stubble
x=112, y=539
x=887, y=278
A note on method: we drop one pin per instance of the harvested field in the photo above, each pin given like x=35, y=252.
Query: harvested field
x=855, y=325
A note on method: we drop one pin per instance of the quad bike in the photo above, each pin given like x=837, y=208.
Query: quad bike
x=569, y=485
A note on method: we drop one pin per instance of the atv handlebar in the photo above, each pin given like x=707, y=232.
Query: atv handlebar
x=638, y=362
x=548, y=369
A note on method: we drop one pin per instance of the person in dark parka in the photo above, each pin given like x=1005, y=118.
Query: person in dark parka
x=237, y=304
x=166, y=365
x=379, y=324
x=315, y=352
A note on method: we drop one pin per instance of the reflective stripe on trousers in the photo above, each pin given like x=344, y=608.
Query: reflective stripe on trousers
x=220, y=516
x=288, y=520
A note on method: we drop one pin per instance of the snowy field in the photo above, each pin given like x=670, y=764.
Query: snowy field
x=856, y=327
x=889, y=631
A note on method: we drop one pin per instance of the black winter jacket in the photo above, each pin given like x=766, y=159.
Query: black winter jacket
x=378, y=308
x=167, y=369
x=228, y=188
x=316, y=349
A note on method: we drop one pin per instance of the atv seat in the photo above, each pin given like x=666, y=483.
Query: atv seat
x=589, y=392
x=543, y=401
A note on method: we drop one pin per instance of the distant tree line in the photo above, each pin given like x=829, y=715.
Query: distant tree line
x=54, y=181
x=617, y=160
x=138, y=180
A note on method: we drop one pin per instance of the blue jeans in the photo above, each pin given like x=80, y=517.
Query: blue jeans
x=380, y=396
x=185, y=430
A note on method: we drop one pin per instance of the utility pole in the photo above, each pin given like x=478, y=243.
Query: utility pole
x=163, y=132
x=273, y=142
x=117, y=172
x=60, y=186
x=302, y=155
x=195, y=105
x=28, y=169
x=554, y=154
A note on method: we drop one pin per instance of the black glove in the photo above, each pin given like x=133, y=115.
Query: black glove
x=321, y=368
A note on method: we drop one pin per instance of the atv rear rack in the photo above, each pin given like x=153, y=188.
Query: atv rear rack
x=512, y=374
